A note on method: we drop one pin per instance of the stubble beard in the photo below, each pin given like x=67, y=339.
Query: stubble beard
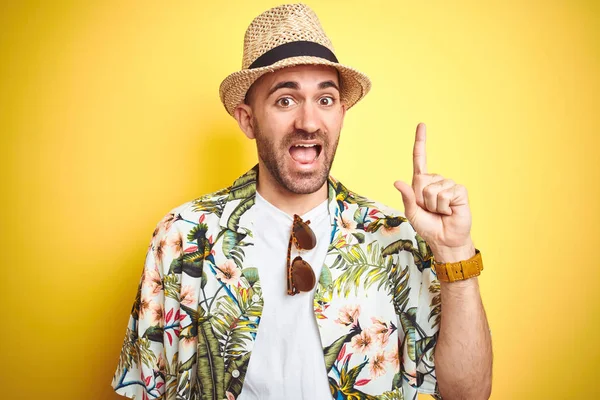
x=295, y=182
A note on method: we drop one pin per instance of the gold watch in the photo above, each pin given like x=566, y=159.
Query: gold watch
x=456, y=271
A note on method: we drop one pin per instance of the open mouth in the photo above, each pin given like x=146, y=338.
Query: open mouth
x=305, y=153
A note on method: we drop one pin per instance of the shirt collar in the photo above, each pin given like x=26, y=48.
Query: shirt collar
x=242, y=196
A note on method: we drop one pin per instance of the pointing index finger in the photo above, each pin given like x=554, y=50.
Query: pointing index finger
x=419, y=155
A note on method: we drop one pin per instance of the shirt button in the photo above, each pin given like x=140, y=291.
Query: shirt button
x=235, y=373
x=256, y=299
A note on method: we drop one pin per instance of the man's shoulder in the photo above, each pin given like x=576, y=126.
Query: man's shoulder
x=382, y=207
x=378, y=218
x=354, y=199
x=192, y=210
x=374, y=206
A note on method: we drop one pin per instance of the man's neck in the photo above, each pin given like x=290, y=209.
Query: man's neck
x=288, y=202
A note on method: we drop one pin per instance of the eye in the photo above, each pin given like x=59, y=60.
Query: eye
x=285, y=102
x=326, y=101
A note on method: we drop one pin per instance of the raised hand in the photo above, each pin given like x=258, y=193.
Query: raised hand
x=437, y=208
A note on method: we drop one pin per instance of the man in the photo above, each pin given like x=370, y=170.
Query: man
x=287, y=285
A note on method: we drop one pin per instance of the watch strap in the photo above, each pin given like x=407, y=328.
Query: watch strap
x=456, y=271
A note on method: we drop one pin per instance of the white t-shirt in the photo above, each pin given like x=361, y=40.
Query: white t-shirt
x=287, y=359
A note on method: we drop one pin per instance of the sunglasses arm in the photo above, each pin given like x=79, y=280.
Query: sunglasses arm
x=290, y=289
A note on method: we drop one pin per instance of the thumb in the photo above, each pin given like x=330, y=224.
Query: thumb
x=408, y=198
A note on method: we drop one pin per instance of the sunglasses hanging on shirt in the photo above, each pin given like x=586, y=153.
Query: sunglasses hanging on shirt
x=301, y=277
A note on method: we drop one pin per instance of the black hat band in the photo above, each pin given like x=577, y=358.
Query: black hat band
x=293, y=49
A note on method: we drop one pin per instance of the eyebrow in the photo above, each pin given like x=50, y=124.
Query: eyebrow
x=328, y=84
x=295, y=86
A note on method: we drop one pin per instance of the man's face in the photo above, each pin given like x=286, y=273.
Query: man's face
x=296, y=119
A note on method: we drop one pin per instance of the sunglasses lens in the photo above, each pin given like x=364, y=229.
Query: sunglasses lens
x=303, y=277
x=305, y=237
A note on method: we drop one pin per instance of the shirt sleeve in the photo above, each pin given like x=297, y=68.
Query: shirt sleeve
x=419, y=317
x=146, y=362
x=428, y=321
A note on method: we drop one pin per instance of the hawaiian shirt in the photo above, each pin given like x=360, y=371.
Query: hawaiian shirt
x=198, y=306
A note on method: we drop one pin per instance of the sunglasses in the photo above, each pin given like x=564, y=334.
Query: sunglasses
x=301, y=277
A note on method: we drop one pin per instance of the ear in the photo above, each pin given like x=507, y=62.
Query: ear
x=243, y=116
x=343, y=115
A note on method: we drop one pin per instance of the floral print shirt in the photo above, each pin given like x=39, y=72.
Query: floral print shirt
x=198, y=306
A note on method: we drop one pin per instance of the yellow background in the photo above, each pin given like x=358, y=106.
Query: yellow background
x=110, y=116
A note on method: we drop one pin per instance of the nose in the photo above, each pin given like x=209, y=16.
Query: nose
x=307, y=118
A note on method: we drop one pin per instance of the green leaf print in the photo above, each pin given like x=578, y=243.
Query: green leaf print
x=129, y=352
x=251, y=275
x=245, y=186
x=347, y=380
x=185, y=382
x=359, y=215
x=436, y=303
x=385, y=222
x=172, y=286
x=376, y=275
x=135, y=309
x=231, y=384
x=237, y=255
x=325, y=278
x=235, y=321
x=342, y=194
x=395, y=395
x=423, y=247
x=234, y=219
x=187, y=365
x=423, y=254
x=198, y=235
x=193, y=266
x=210, y=206
x=331, y=352
x=210, y=364
x=231, y=239
x=171, y=377
x=397, y=381
x=423, y=345
x=408, y=321
x=397, y=247
x=400, y=284
x=355, y=263
x=154, y=333
x=176, y=265
x=359, y=236
x=145, y=353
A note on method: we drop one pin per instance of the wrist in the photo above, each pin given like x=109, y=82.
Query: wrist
x=444, y=254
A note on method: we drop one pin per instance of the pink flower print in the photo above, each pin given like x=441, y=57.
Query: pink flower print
x=159, y=250
x=377, y=365
x=381, y=331
x=175, y=242
x=393, y=357
x=187, y=296
x=411, y=374
x=348, y=315
x=144, y=304
x=347, y=225
x=229, y=273
x=153, y=280
x=166, y=222
x=362, y=342
x=157, y=314
x=161, y=363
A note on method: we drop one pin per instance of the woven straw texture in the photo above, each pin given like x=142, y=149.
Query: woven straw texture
x=277, y=26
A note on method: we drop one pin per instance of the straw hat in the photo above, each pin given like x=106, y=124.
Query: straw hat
x=284, y=36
